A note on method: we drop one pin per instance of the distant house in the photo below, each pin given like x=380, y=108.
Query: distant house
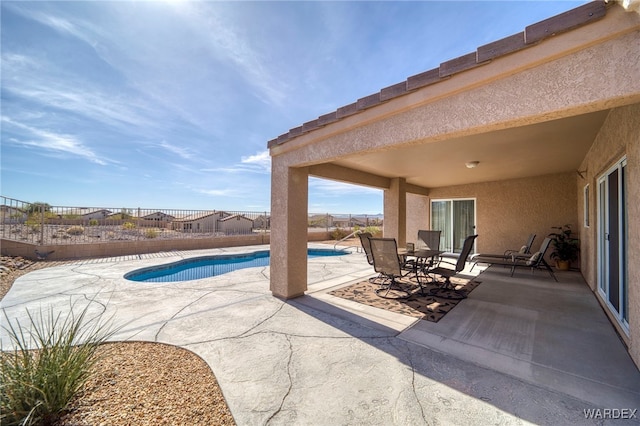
x=349, y=222
x=321, y=221
x=86, y=213
x=262, y=222
x=235, y=224
x=158, y=217
x=10, y=214
x=205, y=221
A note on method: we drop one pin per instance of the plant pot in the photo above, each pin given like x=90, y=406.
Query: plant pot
x=562, y=265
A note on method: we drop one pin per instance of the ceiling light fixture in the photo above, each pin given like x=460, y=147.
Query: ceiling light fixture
x=471, y=164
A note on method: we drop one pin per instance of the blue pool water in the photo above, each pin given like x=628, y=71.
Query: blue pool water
x=211, y=266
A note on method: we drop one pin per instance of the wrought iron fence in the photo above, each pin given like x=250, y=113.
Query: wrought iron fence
x=41, y=223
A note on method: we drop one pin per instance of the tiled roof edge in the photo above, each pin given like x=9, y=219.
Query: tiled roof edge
x=532, y=34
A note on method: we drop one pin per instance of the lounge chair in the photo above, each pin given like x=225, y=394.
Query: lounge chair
x=534, y=261
x=389, y=264
x=524, y=251
x=448, y=273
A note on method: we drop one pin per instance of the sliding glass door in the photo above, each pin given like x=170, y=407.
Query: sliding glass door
x=612, y=241
x=456, y=219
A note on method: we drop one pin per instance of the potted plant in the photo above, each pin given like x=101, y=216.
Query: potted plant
x=565, y=247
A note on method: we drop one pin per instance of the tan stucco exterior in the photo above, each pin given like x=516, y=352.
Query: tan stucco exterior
x=508, y=211
x=618, y=137
x=533, y=117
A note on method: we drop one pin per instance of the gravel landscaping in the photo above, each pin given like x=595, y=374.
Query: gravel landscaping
x=138, y=383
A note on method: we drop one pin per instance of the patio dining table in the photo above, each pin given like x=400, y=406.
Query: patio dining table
x=423, y=259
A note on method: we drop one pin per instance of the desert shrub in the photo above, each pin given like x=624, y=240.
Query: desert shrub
x=151, y=233
x=339, y=233
x=93, y=222
x=75, y=230
x=128, y=225
x=51, y=360
x=375, y=231
x=33, y=224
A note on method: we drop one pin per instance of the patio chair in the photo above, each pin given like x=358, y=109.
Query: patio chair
x=429, y=240
x=448, y=273
x=365, y=240
x=389, y=264
x=535, y=261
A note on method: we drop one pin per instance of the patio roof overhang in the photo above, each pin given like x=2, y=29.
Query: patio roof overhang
x=529, y=105
x=503, y=112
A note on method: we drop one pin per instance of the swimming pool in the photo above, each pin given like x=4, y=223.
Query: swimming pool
x=211, y=266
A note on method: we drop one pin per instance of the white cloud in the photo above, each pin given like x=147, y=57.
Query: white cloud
x=259, y=163
x=50, y=141
x=261, y=160
x=180, y=151
x=330, y=188
x=216, y=192
x=226, y=39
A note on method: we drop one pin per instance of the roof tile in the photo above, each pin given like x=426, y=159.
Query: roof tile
x=327, y=118
x=423, y=79
x=310, y=125
x=368, y=101
x=501, y=47
x=566, y=21
x=393, y=91
x=346, y=110
x=461, y=63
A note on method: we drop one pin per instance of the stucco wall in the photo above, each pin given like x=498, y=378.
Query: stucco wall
x=417, y=215
x=619, y=136
x=508, y=211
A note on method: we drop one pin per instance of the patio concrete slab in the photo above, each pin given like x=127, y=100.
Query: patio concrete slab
x=551, y=334
x=311, y=360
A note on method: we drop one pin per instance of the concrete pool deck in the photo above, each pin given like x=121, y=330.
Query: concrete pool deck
x=318, y=360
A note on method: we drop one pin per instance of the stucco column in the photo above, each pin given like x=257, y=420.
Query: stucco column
x=418, y=210
x=289, y=200
x=395, y=211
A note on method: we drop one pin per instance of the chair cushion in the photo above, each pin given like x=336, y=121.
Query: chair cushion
x=534, y=259
x=523, y=250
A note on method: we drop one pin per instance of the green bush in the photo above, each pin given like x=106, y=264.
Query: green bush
x=151, y=233
x=375, y=231
x=33, y=224
x=128, y=225
x=75, y=230
x=339, y=233
x=50, y=363
x=93, y=222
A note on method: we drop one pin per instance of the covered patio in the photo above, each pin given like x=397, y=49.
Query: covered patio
x=526, y=326
x=545, y=114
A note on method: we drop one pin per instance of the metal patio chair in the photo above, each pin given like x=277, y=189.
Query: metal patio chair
x=389, y=264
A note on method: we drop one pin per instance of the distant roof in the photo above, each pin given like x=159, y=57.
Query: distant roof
x=532, y=35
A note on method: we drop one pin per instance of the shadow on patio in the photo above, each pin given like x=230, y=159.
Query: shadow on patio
x=554, y=336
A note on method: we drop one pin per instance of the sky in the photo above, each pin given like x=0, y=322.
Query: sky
x=170, y=104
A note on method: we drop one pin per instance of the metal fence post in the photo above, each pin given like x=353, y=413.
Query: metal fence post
x=41, y=223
